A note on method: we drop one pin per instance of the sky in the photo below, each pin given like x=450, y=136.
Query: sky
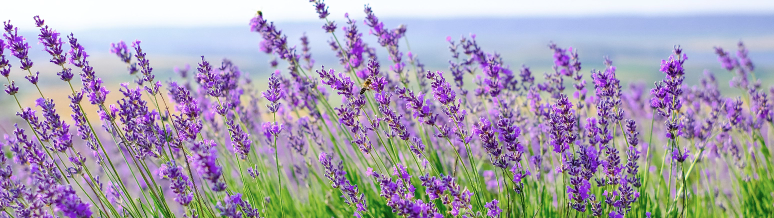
x=94, y=14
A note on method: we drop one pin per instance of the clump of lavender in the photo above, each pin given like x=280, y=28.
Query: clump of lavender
x=193, y=146
x=399, y=194
x=233, y=206
x=450, y=193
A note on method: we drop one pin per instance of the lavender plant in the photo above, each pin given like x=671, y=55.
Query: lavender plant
x=204, y=145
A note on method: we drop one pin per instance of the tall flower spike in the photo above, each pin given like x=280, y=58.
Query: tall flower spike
x=60, y=131
x=336, y=174
x=18, y=45
x=240, y=140
x=122, y=51
x=307, y=55
x=53, y=42
x=71, y=204
x=562, y=120
x=146, y=69
x=5, y=67
x=204, y=158
x=180, y=184
x=322, y=13
x=273, y=94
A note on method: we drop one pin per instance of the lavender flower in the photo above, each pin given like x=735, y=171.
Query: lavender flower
x=493, y=82
x=276, y=42
x=5, y=68
x=744, y=59
x=234, y=206
x=493, y=209
x=307, y=55
x=562, y=121
x=322, y=12
x=240, y=139
x=399, y=194
x=452, y=106
x=274, y=94
x=612, y=166
x=60, y=131
x=180, y=184
x=450, y=193
x=388, y=39
x=204, y=158
x=122, y=51
x=579, y=188
x=70, y=204
x=17, y=44
x=416, y=102
x=336, y=175
x=188, y=123
x=632, y=155
x=483, y=129
x=33, y=78
x=50, y=38
x=146, y=70
x=631, y=133
x=92, y=85
x=353, y=49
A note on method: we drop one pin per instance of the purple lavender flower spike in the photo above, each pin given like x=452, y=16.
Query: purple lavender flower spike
x=562, y=120
x=180, y=184
x=336, y=174
x=38, y=22
x=122, y=51
x=727, y=62
x=53, y=42
x=70, y=203
x=204, y=159
x=59, y=130
x=17, y=44
x=11, y=89
x=322, y=13
x=33, y=78
x=399, y=194
x=274, y=94
x=483, y=129
x=240, y=139
x=744, y=59
x=492, y=209
x=146, y=69
x=188, y=122
x=307, y=55
x=5, y=67
x=445, y=187
x=233, y=206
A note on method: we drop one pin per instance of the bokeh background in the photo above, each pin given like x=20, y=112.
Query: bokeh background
x=636, y=35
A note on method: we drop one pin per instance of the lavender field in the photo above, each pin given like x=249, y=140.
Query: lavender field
x=473, y=125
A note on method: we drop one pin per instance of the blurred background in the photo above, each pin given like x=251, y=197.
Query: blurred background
x=636, y=35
